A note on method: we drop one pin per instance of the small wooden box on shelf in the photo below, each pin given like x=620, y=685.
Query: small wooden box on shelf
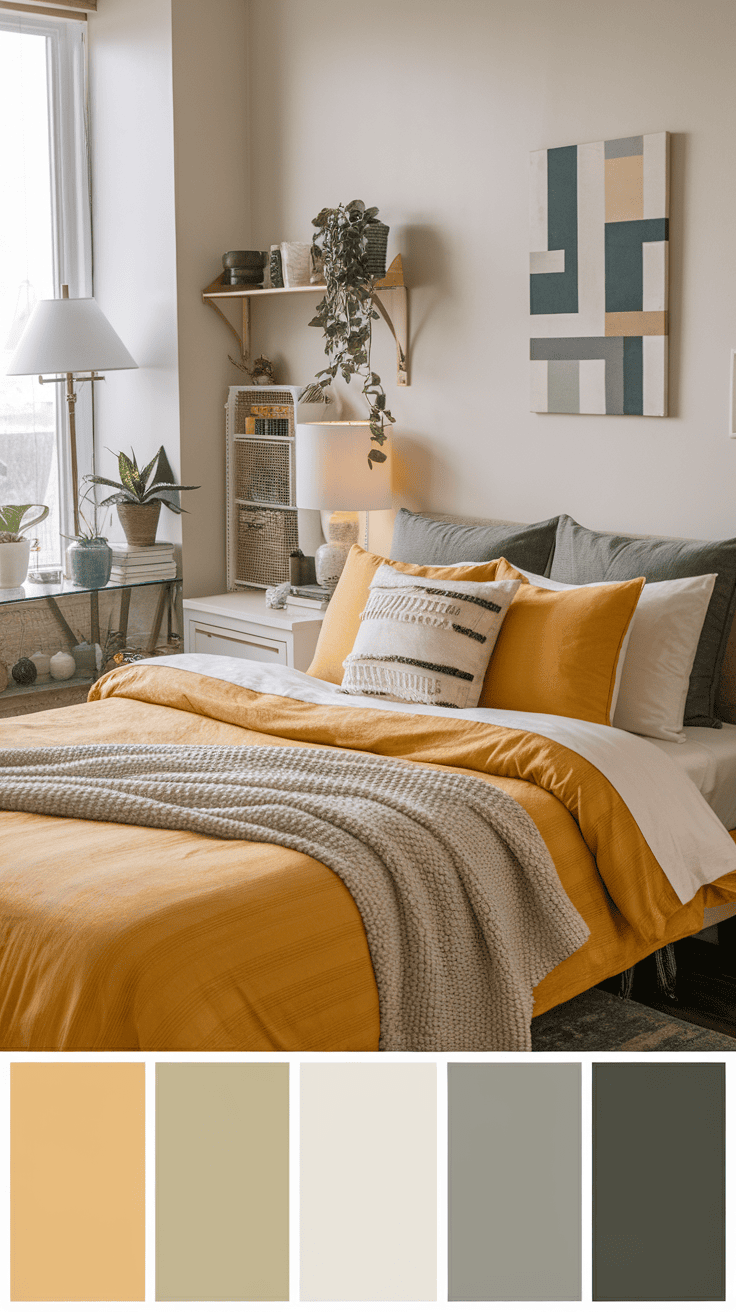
x=241, y=624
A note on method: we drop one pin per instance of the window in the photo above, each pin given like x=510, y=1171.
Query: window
x=45, y=240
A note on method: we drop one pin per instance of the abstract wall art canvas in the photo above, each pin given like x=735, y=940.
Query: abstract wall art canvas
x=598, y=277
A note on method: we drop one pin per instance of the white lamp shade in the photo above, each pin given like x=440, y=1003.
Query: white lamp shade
x=332, y=470
x=69, y=336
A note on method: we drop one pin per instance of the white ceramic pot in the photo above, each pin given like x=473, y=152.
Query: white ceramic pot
x=62, y=665
x=14, y=557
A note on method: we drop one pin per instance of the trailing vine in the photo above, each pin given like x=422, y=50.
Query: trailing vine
x=345, y=314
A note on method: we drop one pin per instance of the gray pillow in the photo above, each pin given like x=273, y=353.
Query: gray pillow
x=584, y=556
x=422, y=541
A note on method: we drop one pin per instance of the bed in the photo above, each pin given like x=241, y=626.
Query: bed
x=119, y=937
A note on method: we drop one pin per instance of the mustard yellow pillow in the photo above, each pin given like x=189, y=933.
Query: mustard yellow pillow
x=557, y=652
x=342, y=617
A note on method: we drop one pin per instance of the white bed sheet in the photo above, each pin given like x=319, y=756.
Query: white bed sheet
x=680, y=827
x=708, y=757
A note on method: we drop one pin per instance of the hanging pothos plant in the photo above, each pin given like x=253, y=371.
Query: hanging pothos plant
x=346, y=313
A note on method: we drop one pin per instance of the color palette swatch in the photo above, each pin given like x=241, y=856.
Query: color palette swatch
x=222, y=1181
x=365, y=1148
x=369, y=1181
x=77, y=1161
x=514, y=1181
x=659, y=1181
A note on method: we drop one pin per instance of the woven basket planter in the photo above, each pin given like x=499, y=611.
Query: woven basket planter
x=139, y=523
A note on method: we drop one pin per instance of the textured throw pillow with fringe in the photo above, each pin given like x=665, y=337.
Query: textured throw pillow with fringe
x=426, y=640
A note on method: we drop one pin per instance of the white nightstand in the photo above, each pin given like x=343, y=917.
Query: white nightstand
x=241, y=624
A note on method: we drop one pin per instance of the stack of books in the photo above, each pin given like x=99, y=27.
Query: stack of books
x=308, y=597
x=142, y=564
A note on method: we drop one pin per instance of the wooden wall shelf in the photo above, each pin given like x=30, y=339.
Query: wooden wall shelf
x=391, y=305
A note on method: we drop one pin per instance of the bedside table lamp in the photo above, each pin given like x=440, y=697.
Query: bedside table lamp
x=73, y=340
x=332, y=473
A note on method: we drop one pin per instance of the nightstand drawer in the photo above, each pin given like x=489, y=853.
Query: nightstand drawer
x=211, y=640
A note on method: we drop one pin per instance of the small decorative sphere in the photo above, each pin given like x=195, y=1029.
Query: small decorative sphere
x=24, y=671
x=62, y=665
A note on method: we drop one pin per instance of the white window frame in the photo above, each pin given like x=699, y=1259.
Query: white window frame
x=71, y=225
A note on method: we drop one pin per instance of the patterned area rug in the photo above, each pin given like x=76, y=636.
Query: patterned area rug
x=597, y=1021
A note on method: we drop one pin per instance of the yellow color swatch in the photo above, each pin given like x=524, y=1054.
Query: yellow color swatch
x=77, y=1160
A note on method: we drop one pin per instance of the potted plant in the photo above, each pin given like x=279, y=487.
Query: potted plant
x=89, y=555
x=15, y=547
x=140, y=494
x=346, y=312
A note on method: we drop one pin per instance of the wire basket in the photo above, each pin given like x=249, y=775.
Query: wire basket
x=265, y=540
x=263, y=471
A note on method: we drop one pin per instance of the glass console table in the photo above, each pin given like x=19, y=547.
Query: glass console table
x=54, y=595
x=50, y=592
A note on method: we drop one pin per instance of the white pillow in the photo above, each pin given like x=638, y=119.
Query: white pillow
x=426, y=640
x=658, y=653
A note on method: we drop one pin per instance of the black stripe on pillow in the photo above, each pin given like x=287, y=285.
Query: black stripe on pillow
x=422, y=665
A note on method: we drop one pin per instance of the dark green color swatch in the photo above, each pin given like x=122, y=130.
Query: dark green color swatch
x=659, y=1181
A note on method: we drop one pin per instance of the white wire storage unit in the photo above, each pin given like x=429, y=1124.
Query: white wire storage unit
x=262, y=518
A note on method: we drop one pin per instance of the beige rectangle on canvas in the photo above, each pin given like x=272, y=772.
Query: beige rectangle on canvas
x=77, y=1196
x=624, y=189
x=222, y=1181
x=369, y=1181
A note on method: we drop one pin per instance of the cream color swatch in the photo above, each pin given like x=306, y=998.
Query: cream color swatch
x=222, y=1181
x=368, y=1197
x=77, y=1156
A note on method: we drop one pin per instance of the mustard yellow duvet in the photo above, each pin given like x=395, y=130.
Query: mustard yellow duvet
x=116, y=937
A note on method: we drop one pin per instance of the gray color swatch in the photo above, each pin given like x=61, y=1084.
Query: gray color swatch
x=514, y=1181
x=659, y=1181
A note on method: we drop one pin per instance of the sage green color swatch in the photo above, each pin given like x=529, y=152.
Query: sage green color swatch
x=659, y=1182
x=222, y=1181
x=514, y=1181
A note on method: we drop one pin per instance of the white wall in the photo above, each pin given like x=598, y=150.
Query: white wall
x=170, y=138
x=429, y=110
x=134, y=231
x=211, y=155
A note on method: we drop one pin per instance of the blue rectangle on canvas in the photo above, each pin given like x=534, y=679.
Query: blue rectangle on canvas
x=557, y=293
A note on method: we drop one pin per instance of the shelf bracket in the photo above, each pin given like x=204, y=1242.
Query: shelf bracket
x=397, y=323
x=243, y=339
x=392, y=289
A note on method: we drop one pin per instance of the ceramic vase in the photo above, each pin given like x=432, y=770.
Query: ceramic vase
x=89, y=563
x=14, y=557
x=62, y=665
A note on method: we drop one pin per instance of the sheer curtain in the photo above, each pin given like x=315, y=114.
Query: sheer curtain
x=45, y=240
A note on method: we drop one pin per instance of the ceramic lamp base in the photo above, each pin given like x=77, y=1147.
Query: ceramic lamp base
x=329, y=559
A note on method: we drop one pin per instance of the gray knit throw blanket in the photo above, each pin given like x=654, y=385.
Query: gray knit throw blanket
x=461, y=903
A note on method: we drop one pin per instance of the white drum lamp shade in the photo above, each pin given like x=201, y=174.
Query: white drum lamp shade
x=69, y=337
x=332, y=473
x=332, y=470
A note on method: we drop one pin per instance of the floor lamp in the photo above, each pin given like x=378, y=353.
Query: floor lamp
x=69, y=341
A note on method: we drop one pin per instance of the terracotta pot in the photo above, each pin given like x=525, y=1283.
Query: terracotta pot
x=139, y=522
